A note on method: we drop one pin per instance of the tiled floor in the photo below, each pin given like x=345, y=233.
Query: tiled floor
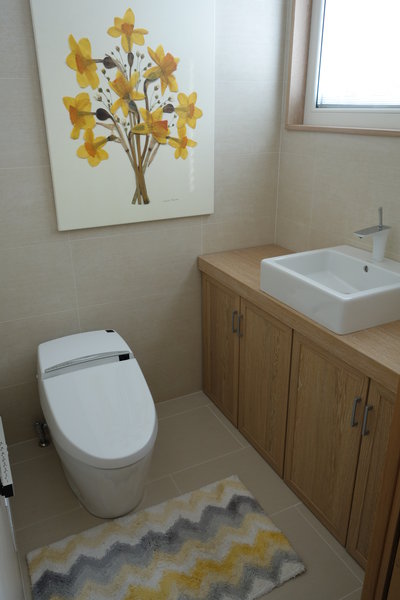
x=196, y=445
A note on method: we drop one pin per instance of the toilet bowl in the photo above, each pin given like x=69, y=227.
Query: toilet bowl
x=101, y=417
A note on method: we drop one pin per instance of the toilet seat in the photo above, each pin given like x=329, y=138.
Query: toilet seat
x=103, y=415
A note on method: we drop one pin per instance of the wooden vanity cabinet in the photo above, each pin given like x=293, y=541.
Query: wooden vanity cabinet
x=326, y=403
x=379, y=408
x=220, y=315
x=337, y=436
x=327, y=432
x=264, y=369
x=246, y=363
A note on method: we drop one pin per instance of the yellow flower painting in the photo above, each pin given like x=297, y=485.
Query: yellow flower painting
x=136, y=104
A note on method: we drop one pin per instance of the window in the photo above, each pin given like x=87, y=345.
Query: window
x=351, y=75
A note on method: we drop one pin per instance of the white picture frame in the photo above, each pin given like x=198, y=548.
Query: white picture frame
x=179, y=173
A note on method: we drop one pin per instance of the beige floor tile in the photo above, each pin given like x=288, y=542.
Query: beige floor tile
x=176, y=406
x=333, y=543
x=49, y=531
x=188, y=439
x=326, y=578
x=234, y=431
x=158, y=491
x=354, y=595
x=27, y=450
x=253, y=471
x=41, y=490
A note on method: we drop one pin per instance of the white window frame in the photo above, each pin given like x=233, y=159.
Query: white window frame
x=367, y=118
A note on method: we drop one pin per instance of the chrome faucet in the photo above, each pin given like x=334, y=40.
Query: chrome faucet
x=379, y=237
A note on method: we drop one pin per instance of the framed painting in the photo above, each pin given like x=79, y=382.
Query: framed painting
x=128, y=96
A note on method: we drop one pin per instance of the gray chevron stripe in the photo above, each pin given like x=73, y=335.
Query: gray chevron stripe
x=104, y=569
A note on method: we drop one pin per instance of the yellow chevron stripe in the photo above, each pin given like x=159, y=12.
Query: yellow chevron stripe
x=60, y=555
x=230, y=567
x=227, y=570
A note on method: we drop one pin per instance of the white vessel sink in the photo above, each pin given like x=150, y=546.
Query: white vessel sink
x=340, y=288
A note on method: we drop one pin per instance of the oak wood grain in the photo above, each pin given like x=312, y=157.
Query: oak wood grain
x=373, y=351
x=321, y=446
x=265, y=350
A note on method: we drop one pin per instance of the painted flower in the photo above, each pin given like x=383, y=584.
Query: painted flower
x=166, y=65
x=153, y=124
x=187, y=111
x=80, y=60
x=126, y=91
x=180, y=144
x=92, y=149
x=80, y=113
x=124, y=28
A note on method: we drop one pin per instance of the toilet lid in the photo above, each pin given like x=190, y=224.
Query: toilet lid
x=103, y=415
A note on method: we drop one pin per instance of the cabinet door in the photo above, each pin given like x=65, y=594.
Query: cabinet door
x=322, y=446
x=378, y=417
x=265, y=347
x=220, y=311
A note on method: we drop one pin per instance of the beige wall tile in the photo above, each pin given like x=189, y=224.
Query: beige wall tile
x=292, y=235
x=121, y=267
x=164, y=333
x=27, y=207
x=19, y=409
x=16, y=25
x=23, y=139
x=237, y=233
x=19, y=341
x=36, y=279
x=296, y=179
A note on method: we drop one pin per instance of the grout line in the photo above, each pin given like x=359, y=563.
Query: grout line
x=218, y=415
x=180, y=491
x=56, y=516
x=205, y=462
x=31, y=458
x=282, y=510
x=183, y=412
x=330, y=547
x=359, y=589
x=78, y=313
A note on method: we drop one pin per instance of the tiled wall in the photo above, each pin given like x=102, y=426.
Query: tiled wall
x=139, y=279
x=330, y=185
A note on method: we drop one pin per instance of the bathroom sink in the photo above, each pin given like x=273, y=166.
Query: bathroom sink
x=341, y=288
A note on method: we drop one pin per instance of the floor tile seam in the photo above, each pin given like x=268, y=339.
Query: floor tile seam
x=26, y=460
x=181, y=412
x=215, y=413
x=205, y=462
x=189, y=410
x=55, y=516
x=331, y=548
x=350, y=594
x=282, y=510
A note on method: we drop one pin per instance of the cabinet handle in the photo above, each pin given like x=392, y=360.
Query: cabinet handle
x=365, y=431
x=354, y=423
x=239, y=331
x=234, y=315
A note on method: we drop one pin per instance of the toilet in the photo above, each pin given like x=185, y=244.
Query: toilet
x=101, y=417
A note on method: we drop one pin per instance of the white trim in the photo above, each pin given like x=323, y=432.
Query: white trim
x=379, y=118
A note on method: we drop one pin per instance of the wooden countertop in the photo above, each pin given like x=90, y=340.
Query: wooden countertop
x=374, y=351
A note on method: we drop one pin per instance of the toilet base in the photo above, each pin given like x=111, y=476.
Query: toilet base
x=106, y=493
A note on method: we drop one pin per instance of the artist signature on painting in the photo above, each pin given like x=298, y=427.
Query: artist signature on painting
x=171, y=200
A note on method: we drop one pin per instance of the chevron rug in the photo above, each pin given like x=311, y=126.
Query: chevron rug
x=212, y=544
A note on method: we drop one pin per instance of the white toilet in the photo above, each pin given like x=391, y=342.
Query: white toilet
x=101, y=417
